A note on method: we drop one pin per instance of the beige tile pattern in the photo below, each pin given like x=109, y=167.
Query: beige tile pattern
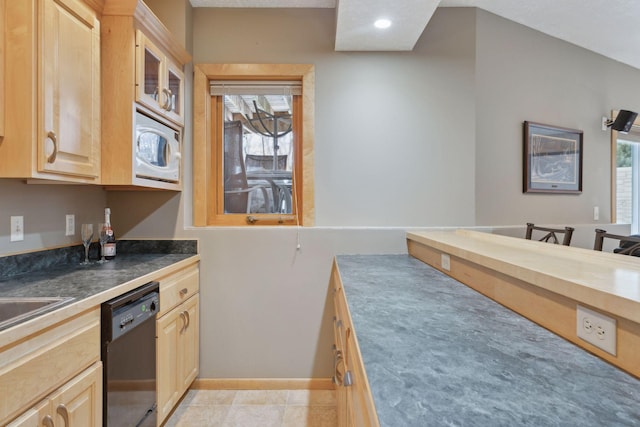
x=259, y=408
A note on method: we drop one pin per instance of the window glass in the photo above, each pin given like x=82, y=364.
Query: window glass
x=627, y=180
x=258, y=158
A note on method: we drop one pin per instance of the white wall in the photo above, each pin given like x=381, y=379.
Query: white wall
x=44, y=208
x=385, y=132
x=523, y=75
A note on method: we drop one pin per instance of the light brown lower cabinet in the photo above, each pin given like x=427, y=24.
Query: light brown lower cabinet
x=76, y=404
x=177, y=353
x=45, y=367
x=355, y=407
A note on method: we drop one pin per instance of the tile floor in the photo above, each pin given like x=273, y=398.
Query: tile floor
x=256, y=408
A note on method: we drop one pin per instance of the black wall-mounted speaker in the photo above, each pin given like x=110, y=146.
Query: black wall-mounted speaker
x=624, y=121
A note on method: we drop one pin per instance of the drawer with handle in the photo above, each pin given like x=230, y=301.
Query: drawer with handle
x=177, y=288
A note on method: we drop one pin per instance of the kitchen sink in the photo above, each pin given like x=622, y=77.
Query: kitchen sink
x=17, y=309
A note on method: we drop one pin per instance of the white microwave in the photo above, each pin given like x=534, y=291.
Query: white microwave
x=157, y=150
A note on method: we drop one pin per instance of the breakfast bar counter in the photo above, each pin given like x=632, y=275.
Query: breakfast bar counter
x=549, y=284
x=438, y=353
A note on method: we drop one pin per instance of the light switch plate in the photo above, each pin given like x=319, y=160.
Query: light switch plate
x=17, y=228
x=70, y=222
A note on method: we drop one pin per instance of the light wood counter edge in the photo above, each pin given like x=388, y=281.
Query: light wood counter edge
x=25, y=330
x=548, y=308
x=460, y=243
x=366, y=409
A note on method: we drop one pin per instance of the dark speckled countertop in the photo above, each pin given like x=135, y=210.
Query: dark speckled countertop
x=58, y=273
x=437, y=353
x=80, y=282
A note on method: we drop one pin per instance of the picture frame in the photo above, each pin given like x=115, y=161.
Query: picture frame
x=552, y=161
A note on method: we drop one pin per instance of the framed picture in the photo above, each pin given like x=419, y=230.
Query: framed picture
x=552, y=159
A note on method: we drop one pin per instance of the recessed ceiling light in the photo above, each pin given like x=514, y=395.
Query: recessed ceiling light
x=382, y=23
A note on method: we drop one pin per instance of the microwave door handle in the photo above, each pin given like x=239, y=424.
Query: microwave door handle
x=167, y=153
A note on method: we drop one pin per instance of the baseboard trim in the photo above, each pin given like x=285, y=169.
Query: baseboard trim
x=263, y=384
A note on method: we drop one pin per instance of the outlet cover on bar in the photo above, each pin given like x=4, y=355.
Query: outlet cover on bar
x=596, y=328
x=445, y=262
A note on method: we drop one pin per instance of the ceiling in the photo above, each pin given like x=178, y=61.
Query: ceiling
x=610, y=28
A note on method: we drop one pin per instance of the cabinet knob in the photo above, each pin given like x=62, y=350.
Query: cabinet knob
x=64, y=413
x=168, y=104
x=186, y=313
x=47, y=421
x=184, y=322
x=183, y=291
x=337, y=360
x=348, y=379
x=54, y=138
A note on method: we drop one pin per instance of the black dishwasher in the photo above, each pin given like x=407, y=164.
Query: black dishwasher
x=129, y=358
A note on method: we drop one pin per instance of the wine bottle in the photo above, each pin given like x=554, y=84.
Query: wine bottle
x=109, y=248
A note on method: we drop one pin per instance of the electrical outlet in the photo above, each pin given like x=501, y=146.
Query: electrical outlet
x=445, y=262
x=70, y=225
x=17, y=228
x=596, y=213
x=597, y=329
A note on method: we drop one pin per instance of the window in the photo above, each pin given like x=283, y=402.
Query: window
x=253, y=144
x=627, y=179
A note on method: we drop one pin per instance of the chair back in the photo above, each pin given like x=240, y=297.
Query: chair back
x=258, y=161
x=235, y=175
x=629, y=245
x=550, y=234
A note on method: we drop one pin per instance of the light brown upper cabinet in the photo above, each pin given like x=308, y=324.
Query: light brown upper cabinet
x=159, y=80
x=52, y=91
x=142, y=72
x=2, y=81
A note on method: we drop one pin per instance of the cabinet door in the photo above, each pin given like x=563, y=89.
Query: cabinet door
x=33, y=416
x=159, y=82
x=361, y=410
x=2, y=55
x=175, y=92
x=79, y=402
x=177, y=354
x=69, y=127
x=149, y=73
x=168, y=328
x=341, y=404
x=76, y=404
x=189, y=354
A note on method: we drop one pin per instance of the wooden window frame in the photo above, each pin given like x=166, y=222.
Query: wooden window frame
x=207, y=189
